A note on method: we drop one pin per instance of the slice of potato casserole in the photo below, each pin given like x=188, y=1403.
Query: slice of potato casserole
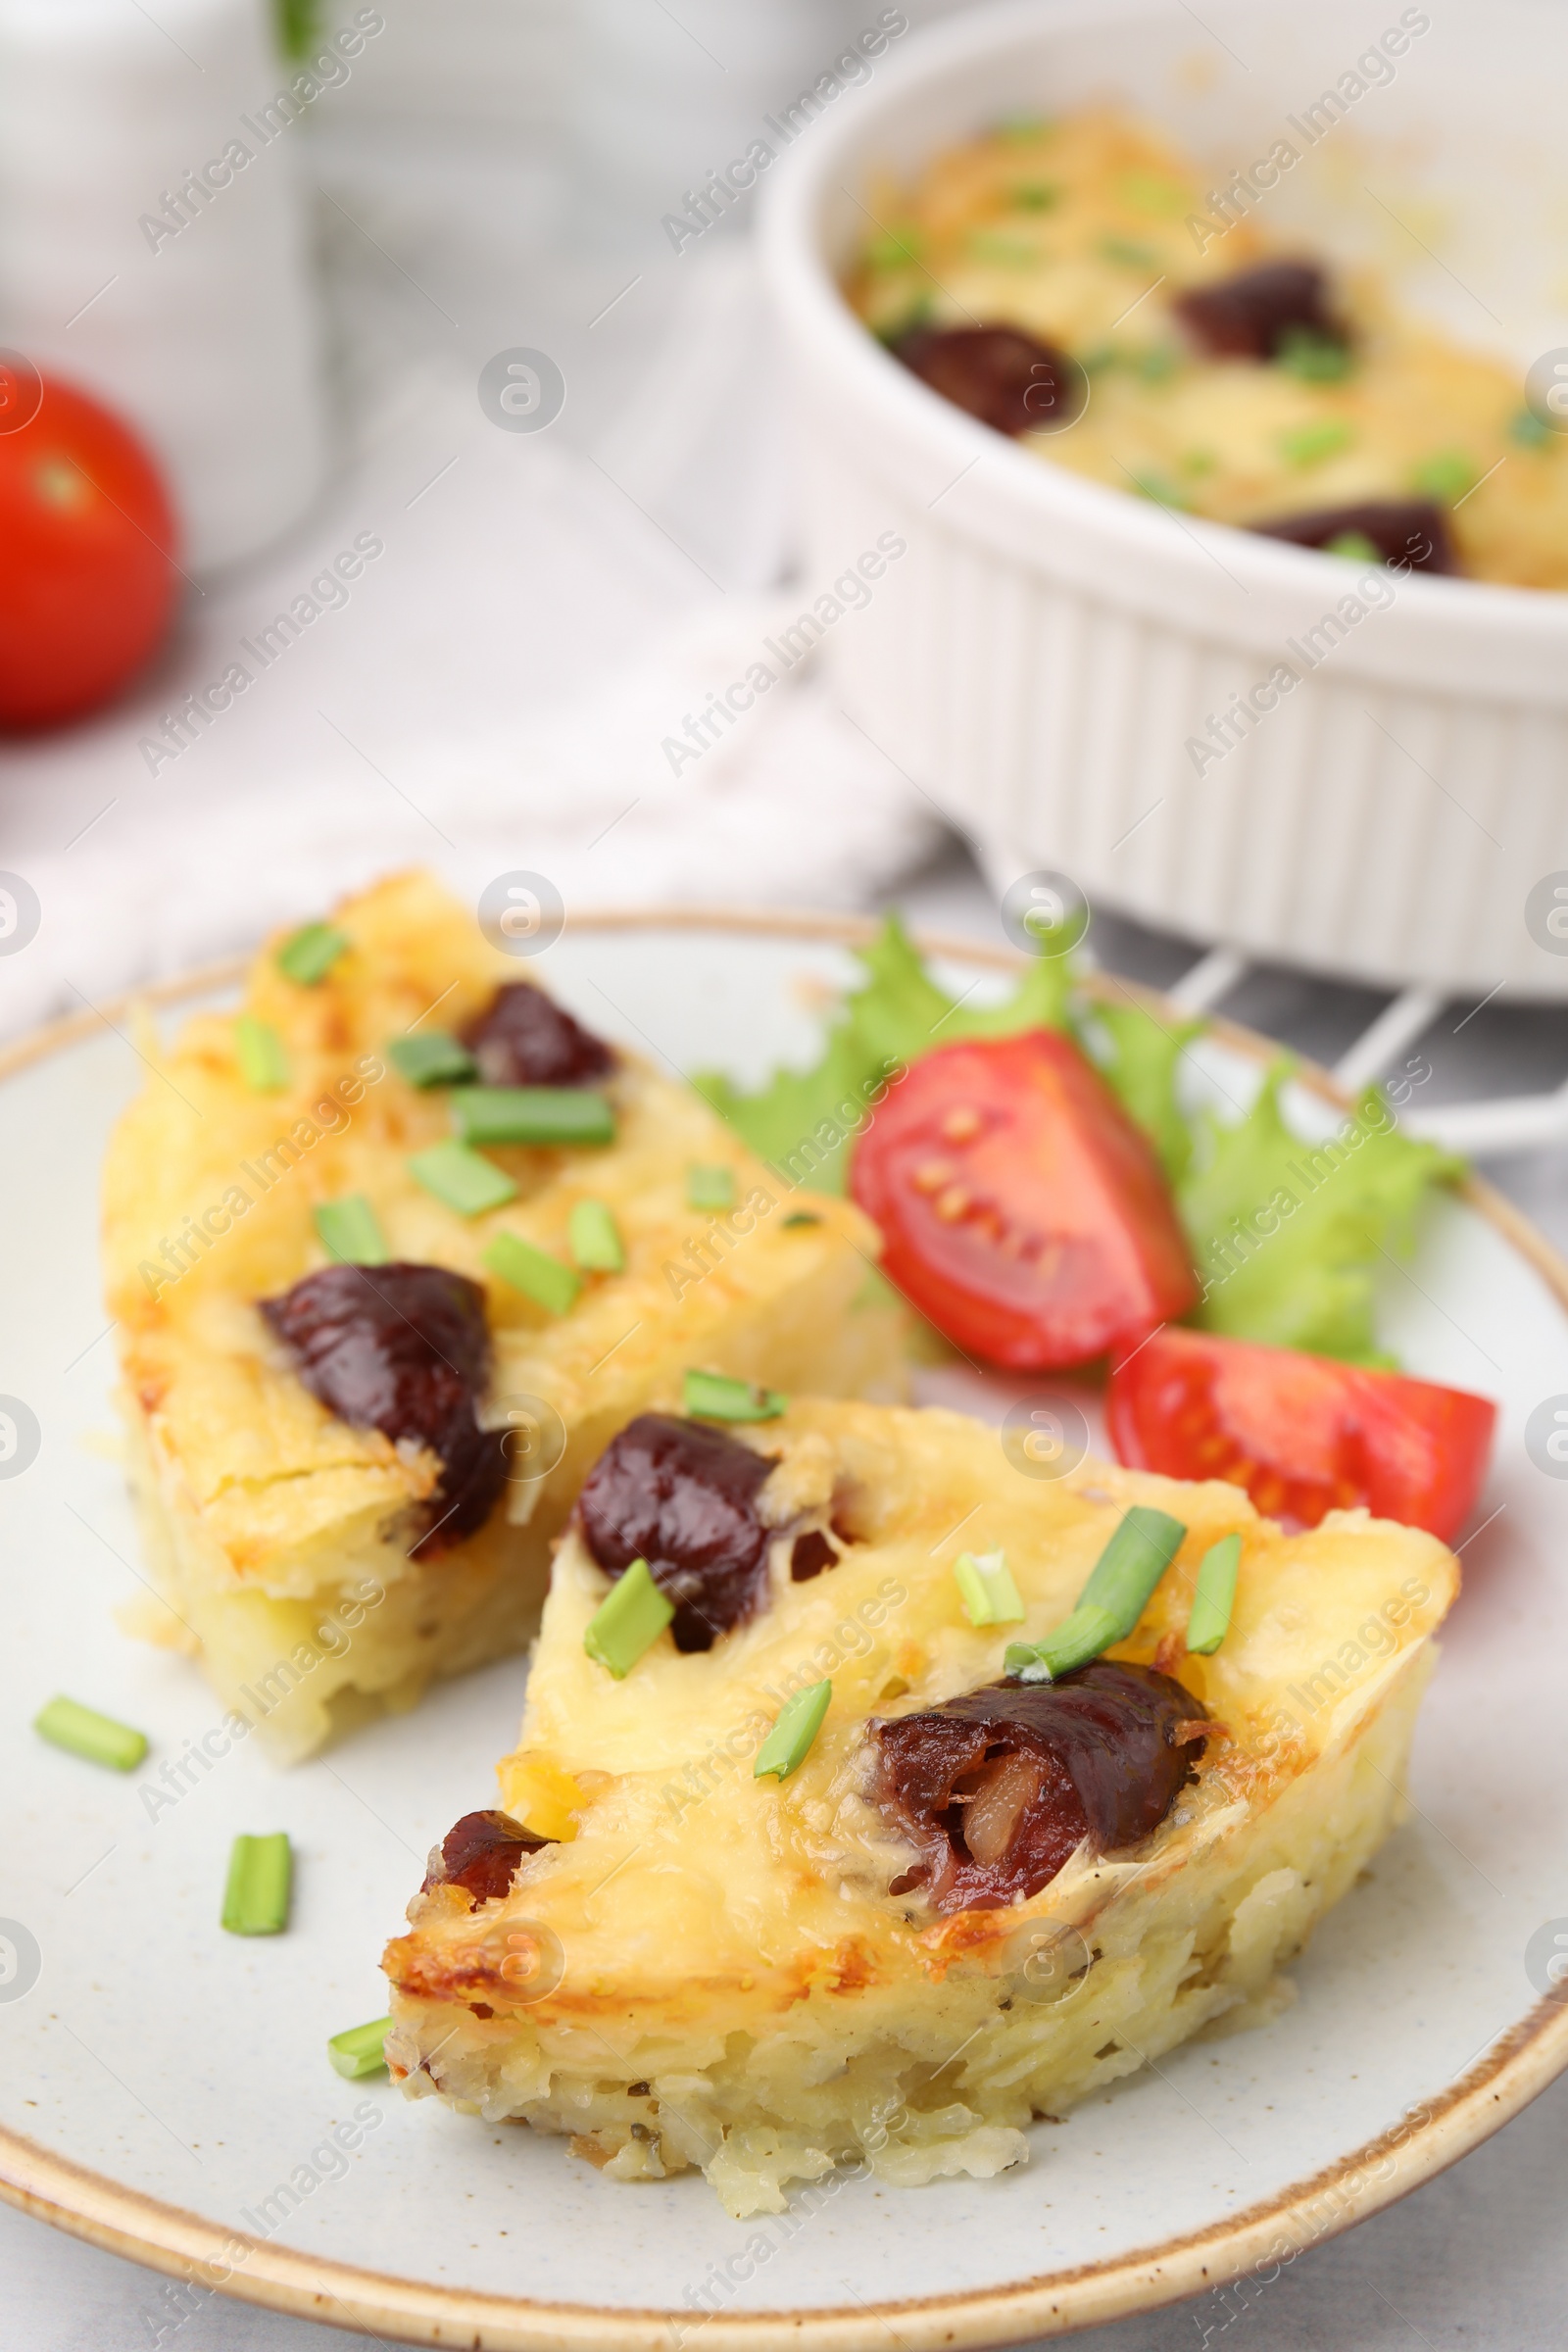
x=805, y=1857
x=393, y=1253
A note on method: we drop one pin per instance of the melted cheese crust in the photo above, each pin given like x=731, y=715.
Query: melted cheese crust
x=734, y=1940
x=1095, y=271
x=261, y=1509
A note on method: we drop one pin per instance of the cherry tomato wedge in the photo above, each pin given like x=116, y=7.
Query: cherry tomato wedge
x=1023, y=1211
x=1302, y=1434
x=87, y=584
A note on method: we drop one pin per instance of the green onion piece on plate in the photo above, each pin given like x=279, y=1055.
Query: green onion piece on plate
x=350, y=1230
x=1209, y=1620
x=1117, y=1592
x=308, y=953
x=715, y=1397
x=795, y=1727
x=986, y=1587
x=534, y=1272
x=461, y=1179
x=709, y=1187
x=1354, y=546
x=628, y=1622
x=531, y=1115
x=261, y=1875
x=437, y=1058
x=263, y=1062
x=67, y=1724
x=362, y=2050
x=595, y=1238
x=801, y=1217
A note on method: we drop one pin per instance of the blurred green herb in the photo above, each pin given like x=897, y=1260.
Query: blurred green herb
x=1313, y=358
x=299, y=26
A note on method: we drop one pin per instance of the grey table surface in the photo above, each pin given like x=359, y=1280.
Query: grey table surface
x=1478, y=2257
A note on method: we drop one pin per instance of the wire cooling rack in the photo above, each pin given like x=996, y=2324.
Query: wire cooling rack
x=1486, y=1077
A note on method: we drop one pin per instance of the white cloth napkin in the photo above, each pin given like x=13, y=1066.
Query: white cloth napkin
x=494, y=690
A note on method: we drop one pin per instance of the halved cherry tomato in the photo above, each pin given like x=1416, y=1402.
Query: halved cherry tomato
x=87, y=584
x=1023, y=1211
x=1302, y=1434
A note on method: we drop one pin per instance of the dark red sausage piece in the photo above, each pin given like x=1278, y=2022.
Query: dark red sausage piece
x=480, y=1853
x=1411, y=533
x=681, y=1495
x=405, y=1349
x=524, y=1038
x=1251, y=316
x=1096, y=1756
x=809, y=1554
x=998, y=374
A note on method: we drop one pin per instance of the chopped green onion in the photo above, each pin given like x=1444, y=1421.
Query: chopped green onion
x=1127, y=254
x=362, y=2050
x=461, y=1179
x=1132, y=1563
x=1209, y=1620
x=1098, y=358
x=1528, y=432
x=1147, y=192
x=1078, y=1638
x=308, y=953
x=801, y=1217
x=1158, y=363
x=896, y=248
x=1009, y=253
x=261, y=1873
x=1035, y=196
x=1199, y=460
x=910, y=314
x=715, y=1397
x=627, y=1623
x=531, y=1115
x=534, y=1272
x=595, y=1238
x=1021, y=128
x=437, y=1058
x=985, y=1584
x=1310, y=444
x=1449, y=475
x=795, y=1727
x=85, y=1733
x=709, y=1187
x=1110, y=1603
x=1312, y=359
x=1355, y=545
x=350, y=1230
x=1163, y=493
x=263, y=1062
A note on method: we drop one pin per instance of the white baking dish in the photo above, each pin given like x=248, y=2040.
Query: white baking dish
x=1040, y=656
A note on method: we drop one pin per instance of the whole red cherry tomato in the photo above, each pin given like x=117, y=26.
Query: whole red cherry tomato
x=1302, y=1434
x=87, y=582
x=1021, y=1210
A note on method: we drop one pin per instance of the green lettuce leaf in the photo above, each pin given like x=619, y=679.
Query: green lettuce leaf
x=802, y=1121
x=1288, y=1236
x=1141, y=1068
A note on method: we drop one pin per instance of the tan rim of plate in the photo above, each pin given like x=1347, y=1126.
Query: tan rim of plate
x=1434, y=2134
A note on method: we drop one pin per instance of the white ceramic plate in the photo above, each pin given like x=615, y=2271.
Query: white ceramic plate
x=159, y=2080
